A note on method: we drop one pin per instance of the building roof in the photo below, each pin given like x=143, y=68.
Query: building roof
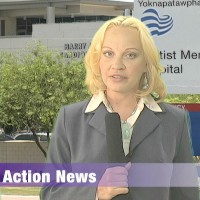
x=20, y=8
x=19, y=4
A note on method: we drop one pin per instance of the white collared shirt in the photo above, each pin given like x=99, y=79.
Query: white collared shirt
x=127, y=126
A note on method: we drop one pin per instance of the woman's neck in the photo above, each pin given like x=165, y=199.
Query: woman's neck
x=124, y=104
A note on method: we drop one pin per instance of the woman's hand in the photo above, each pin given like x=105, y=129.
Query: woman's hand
x=113, y=182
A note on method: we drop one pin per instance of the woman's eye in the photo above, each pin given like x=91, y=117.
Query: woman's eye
x=108, y=53
x=131, y=55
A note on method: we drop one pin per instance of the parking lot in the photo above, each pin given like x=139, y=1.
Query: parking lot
x=24, y=136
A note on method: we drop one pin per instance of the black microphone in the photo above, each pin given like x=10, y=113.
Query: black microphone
x=115, y=145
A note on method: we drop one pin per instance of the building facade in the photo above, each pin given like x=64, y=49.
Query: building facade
x=24, y=20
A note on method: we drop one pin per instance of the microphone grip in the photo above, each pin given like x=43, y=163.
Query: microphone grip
x=115, y=145
x=115, y=149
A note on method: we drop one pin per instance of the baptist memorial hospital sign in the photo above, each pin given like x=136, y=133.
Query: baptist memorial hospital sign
x=174, y=25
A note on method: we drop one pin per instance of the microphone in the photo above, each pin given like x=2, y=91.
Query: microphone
x=115, y=145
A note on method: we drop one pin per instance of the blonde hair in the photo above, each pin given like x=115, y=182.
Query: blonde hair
x=152, y=79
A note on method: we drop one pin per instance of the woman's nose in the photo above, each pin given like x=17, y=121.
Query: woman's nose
x=118, y=63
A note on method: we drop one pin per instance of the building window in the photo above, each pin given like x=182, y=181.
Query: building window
x=82, y=19
x=2, y=27
x=24, y=24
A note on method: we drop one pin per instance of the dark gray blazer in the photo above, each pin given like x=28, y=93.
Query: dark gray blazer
x=158, y=137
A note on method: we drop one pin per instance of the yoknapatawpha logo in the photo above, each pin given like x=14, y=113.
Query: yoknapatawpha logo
x=158, y=25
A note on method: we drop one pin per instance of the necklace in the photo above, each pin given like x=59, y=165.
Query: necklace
x=134, y=111
x=112, y=110
x=124, y=121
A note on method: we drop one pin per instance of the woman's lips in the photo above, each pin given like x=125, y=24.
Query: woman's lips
x=118, y=77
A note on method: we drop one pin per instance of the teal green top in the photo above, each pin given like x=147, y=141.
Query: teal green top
x=127, y=131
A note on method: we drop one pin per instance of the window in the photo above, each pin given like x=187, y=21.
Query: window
x=2, y=27
x=24, y=25
x=82, y=19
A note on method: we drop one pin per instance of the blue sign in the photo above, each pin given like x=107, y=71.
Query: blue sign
x=195, y=132
x=158, y=25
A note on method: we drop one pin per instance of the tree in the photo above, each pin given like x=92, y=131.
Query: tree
x=183, y=98
x=34, y=84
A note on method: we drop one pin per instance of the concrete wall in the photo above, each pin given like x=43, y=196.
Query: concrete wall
x=54, y=36
x=21, y=152
x=75, y=30
x=13, y=44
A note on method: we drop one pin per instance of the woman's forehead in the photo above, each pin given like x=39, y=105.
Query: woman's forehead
x=122, y=37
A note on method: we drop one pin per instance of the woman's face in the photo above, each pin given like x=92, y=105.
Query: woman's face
x=122, y=62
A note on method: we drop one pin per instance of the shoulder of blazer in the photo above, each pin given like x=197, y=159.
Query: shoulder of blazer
x=78, y=107
x=173, y=111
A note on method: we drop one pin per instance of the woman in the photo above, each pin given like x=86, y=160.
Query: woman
x=123, y=75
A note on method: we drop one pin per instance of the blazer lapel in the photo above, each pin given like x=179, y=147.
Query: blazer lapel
x=98, y=119
x=144, y=126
